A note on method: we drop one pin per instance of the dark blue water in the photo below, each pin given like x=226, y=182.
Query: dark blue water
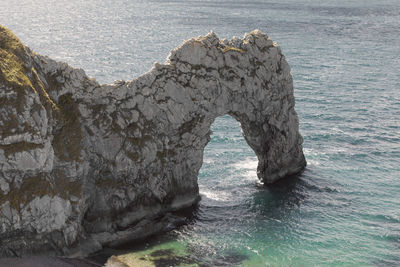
x=344, y=210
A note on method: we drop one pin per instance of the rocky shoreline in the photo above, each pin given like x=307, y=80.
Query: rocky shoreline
x=47, y=261
x=85, y=165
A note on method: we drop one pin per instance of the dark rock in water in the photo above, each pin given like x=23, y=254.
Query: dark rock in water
x=46, y=262
x=85, y=165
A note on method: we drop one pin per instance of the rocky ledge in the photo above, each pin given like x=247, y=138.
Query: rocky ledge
x=87, y=165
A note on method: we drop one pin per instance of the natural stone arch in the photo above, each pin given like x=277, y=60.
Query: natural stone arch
x=103, y=158
x=251, y=81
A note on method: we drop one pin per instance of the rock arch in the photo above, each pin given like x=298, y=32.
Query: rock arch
x=80, y=159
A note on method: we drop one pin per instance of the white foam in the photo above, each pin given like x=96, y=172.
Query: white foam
x=249, y=163
x=207, y=160
x=250, y=167
x=216, y=195
x=311, y=162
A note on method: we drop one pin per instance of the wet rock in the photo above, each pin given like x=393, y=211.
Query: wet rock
x=47, y=262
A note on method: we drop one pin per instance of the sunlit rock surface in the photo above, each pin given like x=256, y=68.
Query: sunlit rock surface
x=85, y=165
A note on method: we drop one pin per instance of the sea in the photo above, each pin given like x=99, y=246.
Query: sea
x=344, y=208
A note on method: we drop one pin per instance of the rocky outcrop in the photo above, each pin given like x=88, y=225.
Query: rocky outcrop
x=85, y=163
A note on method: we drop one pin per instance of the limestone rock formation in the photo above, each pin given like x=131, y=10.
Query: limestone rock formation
x=86, y=163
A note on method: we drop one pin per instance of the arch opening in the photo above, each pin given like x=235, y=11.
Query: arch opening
x=229, y=163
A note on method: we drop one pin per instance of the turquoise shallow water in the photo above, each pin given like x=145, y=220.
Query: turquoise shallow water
x=344, y=209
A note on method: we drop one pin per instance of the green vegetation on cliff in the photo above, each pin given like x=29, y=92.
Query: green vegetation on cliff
x=12, y=52
x=13, y=66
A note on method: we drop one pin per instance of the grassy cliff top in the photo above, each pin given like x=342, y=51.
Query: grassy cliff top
x=12, y=54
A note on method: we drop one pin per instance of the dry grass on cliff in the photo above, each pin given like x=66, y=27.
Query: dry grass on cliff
x=11, y=64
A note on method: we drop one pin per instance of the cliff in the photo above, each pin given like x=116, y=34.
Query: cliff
x=85, y=163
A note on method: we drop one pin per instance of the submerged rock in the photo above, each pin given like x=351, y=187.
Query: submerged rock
x=85, y=165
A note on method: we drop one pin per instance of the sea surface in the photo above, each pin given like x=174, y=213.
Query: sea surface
x=344, y=209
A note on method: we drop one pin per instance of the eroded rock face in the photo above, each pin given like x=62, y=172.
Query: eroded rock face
x=83, y=162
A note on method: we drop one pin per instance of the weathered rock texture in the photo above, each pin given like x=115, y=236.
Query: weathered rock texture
x=84, y=162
